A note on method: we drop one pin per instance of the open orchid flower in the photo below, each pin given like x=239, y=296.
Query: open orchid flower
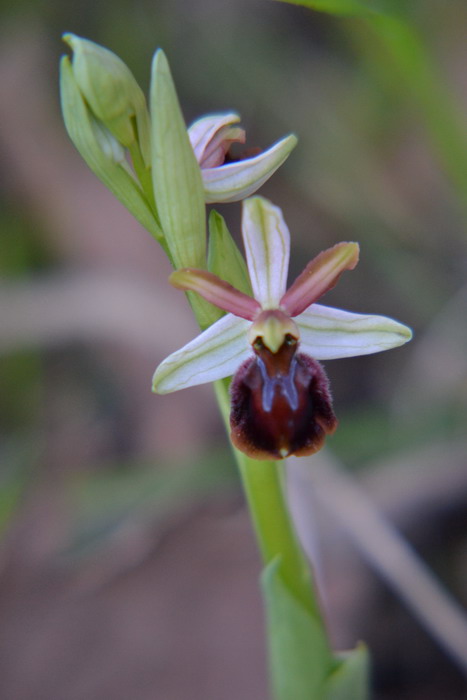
x=280, y=400
x=211, y=138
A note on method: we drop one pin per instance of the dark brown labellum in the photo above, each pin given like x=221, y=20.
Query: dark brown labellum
x=281, y=404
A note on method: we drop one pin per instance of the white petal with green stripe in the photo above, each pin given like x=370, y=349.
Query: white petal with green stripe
x=267, y=247
x=214, y=354
x=235, y=181
x=327, y=333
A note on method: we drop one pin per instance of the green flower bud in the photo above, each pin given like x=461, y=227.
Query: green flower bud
x=102, y=152
x=111, y=92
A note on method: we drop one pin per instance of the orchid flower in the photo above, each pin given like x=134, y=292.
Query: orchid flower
x=280, y=399
x=211, y=137
x=106, y=114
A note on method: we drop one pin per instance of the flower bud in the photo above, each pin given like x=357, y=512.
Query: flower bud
x=111, y=92
x=101, y=150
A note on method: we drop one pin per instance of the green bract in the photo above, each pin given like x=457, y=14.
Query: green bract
x=176, y=175
x=224, y=258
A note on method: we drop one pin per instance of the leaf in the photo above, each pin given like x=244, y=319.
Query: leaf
x=403, y=53
x=349, y=681
x=347, y=8
x=300, y=659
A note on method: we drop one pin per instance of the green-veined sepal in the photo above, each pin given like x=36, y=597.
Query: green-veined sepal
x=214, y=354
x=235, y=181
x=327, y=333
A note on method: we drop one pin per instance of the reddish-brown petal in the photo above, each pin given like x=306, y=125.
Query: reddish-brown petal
x=216, y=291
x=281, y=404
x=320, y=275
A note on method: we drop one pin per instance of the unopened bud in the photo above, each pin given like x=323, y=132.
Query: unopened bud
x=111, y=92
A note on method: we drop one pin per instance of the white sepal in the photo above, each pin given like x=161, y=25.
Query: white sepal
x=214, y=354
x=235, y=181
x=267, y=247
x=327, y=333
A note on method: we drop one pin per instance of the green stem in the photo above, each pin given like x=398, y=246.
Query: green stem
x=144, y=176
x=301, y=661
x=264, y=489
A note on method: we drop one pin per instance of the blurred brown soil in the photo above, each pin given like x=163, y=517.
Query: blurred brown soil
x=183, y=622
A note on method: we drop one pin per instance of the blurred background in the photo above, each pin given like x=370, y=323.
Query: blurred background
x=128, y=567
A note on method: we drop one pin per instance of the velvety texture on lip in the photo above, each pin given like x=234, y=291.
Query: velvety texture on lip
x=281, y=404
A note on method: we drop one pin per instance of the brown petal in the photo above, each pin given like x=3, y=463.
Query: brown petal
x=320, y=275
x=216, y=291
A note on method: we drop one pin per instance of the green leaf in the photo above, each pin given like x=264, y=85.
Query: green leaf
x=347, y=7
x=349, y=681
x=224, y=258
x=178, y=186
x=402, y=53
x=101, y=151
x=299, y=654
x=406, y=56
